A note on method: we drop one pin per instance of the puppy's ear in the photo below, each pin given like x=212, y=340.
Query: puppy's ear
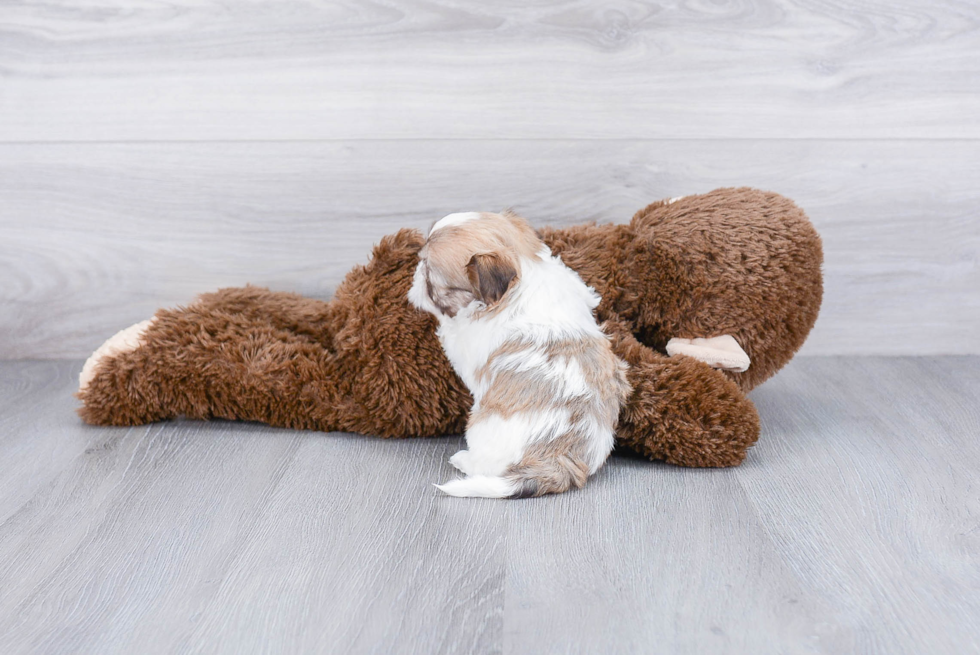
x=491, y=275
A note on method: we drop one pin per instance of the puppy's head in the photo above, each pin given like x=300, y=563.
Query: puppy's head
x=471, y=257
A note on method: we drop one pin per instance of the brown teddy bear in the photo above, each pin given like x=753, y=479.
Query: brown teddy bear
x=730, y=279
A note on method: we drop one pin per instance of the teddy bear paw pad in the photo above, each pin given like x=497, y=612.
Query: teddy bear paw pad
x=121, y=342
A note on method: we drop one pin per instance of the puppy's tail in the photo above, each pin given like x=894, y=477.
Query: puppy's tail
x=481, y=486
x=524, y=480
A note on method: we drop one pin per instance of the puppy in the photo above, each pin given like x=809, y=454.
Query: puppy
x=517, y=326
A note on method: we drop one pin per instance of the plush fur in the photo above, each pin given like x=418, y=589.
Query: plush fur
x=737, y=262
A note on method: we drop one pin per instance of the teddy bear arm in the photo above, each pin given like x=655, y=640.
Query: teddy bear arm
x=681, y=410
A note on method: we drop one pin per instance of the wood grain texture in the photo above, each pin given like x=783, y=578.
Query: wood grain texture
x=97, y=237
x=851, y=527
x=151, y=542
x=181, y=70
x=864, y=477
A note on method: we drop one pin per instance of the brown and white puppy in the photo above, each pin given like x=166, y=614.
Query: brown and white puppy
x=518, y=328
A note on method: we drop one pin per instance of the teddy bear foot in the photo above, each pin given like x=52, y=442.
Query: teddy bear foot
x=123, y=341
x=687, y=414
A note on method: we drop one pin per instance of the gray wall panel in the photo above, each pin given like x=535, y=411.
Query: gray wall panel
x=411, y=69
x=96, y=237
x=152, y=151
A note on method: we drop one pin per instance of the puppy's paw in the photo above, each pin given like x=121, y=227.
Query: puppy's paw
x=717, y=352
x=461, y=461
x=123, y=341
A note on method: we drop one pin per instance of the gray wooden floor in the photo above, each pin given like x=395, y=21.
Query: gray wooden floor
x=853, y=527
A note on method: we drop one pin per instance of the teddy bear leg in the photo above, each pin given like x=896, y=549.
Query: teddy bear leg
x=124, y=341
x=681, y=410
x=225, y=358
x=365, y=362
x=227, y=355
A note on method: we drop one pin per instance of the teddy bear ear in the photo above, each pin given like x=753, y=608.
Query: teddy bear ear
x=490, y=274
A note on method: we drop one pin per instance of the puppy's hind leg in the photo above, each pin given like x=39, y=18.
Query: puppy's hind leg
x=462, y=461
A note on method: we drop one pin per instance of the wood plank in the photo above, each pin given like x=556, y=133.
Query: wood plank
x=152, y=540
x=851, y=527
x=40, y=437
x=869, y=492
x=97, y=237
x=653, y=558
x=409, y=69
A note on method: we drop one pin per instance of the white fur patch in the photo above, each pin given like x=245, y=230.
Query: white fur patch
x=454, y=219
x=496, y=442
x=417, y=295
x=123, y=341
